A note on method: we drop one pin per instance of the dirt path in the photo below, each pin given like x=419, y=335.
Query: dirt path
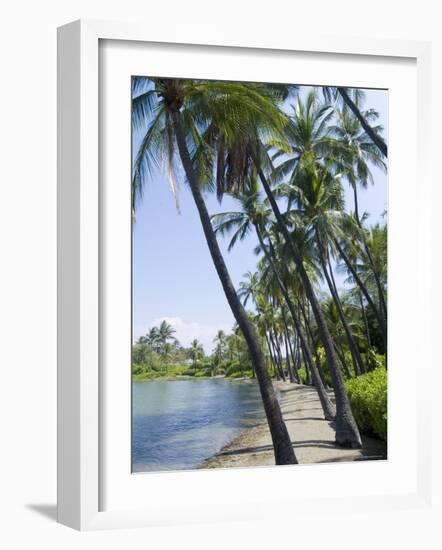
x=311, y=435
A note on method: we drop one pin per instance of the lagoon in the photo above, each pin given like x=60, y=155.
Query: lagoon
x=177, y=424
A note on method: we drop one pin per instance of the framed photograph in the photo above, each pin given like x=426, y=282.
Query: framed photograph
x=233, y=259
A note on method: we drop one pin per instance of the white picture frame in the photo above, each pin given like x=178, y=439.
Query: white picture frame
x=80, y=438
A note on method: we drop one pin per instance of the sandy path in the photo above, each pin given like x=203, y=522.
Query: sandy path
x=311, y=435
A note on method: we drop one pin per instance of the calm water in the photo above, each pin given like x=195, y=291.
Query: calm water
x=178, y=424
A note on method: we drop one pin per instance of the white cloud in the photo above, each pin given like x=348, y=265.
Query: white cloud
x=186, y=331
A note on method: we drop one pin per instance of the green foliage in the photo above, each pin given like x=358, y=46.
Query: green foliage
x=137, y=369
x=244, y=374
x=204, y=373
x=368, y=399
x=233, y=369
x=302, y=375
x=238, y=369
x=374, y=360
x=375, y=331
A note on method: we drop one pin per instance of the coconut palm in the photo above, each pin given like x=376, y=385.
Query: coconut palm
x=249, y=286
x=310, y=122
x=168, y=352
x=220, y=341
x=253, y=215
x=196, y=350
x=351, y=250
x=320, y=203
x=203, y=125
x=152, y=339
x=351, y=99
x=359, y=154
x=165, y=333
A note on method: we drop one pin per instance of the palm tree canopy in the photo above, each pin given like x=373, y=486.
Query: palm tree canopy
x=210, y=112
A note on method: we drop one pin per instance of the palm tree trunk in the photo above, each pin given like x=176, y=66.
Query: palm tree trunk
x=272, y=359
x=308, y=330
x=327, y=406
x=290, y=357
x=341, y=355
x=295, y=362
x=370, y=257
x=298, y=358
x=347, y=432
x=287, y=359
x=286, y=345
x=277, y=354
x=282, y=446
x=310, y=336
x=276, y=367
x=364, y=318
x=381, y=320
x=377, y=140
x=356, y=356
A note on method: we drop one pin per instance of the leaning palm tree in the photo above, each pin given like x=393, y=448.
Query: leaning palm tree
x=351, y=98
x=374, y=268
x=253, y=215
x=310, y=121
x=196, y=122
x=360, y=152
x=320, y=201
x=352, y=251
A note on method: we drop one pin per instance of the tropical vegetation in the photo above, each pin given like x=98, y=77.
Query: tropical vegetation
x=314, y=309
x=155, y=356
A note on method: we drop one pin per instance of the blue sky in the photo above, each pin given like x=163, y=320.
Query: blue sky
x=173, y=274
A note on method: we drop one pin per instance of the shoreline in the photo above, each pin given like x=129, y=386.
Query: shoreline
x=312, y=436
x=187, y=377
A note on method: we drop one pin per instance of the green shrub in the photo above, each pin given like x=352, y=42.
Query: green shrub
x=368, y=400
x=233, y=368
x=302, y=375
x=137, y=369
x=238, y=369
x=374, y=360
x=244, y=374
x=203, y=373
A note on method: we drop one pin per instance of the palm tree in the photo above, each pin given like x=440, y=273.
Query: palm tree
x=356, y=262
x=253, y=214
x=152, y=339
x=168, y=353
x=165, y=333
x=220, y=350
x=201, y=120
x=358, y=153
x=249, y=286
x=220, y=338
x=332, y=317
x=196, y=350
x=351, y=98
x=310, y=122
x=320, y=202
